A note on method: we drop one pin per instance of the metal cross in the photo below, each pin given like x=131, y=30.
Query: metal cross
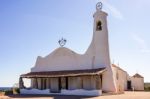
x=62, y=42
x=99, y=6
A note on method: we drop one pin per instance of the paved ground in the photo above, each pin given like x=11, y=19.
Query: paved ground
x=127, y=95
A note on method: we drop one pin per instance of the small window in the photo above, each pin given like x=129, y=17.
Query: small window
x=117, y=75
x=99, y=26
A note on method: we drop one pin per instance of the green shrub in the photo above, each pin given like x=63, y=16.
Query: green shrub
x=147, y=88
x=8, y=92
x=16, y=91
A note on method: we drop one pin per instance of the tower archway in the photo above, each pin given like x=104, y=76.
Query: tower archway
x=99, y=26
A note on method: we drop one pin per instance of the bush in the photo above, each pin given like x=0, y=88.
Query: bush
x=16, y=91
x=147, y=88
x=8, y=92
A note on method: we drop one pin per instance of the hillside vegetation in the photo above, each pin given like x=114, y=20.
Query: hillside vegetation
x=147, y=86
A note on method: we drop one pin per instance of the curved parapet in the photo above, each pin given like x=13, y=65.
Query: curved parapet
x=62, y=59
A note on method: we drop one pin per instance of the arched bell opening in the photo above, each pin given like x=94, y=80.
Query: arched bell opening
x=99, y=26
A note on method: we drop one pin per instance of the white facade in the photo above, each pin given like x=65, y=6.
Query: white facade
x=126, y=82
x=137, y=83
x=96, y=56
x=121, y=78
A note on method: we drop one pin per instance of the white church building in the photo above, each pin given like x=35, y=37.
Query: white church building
x=68, y=73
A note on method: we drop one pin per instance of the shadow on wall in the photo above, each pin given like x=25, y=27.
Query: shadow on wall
x=50, y=96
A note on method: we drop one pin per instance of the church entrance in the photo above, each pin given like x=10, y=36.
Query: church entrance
x=129, y=87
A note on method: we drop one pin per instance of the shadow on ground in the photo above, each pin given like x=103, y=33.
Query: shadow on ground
x=50, y=96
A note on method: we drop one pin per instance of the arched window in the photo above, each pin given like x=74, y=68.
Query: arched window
x=99, y=26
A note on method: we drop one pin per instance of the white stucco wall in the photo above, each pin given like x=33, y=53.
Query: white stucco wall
x=66, y=59
x=74, y=83
x=54, y=85
x=121, y=78
x=63, y=92
x=137, y=83
x=96, y=56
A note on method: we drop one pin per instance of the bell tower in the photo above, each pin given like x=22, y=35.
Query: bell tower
x=100, y=38
x=99, y=49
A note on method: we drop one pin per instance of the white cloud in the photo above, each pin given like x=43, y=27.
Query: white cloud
x=141, y=43
x=113, y=10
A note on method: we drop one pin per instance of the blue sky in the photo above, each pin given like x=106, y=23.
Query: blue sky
x=31, y=28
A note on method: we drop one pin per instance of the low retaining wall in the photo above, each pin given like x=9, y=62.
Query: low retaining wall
x=63, y=92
